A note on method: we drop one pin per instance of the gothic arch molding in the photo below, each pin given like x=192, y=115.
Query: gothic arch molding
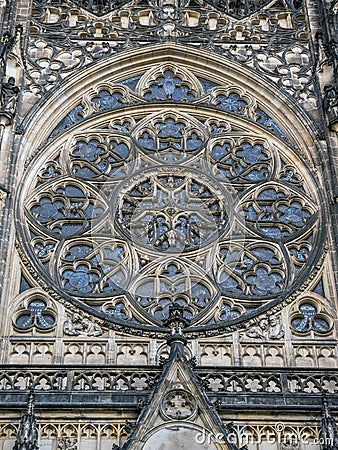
x=284, y=110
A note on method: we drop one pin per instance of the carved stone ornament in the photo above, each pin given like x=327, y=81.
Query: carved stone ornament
x=178, y=404
x=330, y=104
x=274, y=26
x=267, y=328
x=76, y=325
x=172, y=205
x=66, y=443
x=27, y=438
x=236, y=8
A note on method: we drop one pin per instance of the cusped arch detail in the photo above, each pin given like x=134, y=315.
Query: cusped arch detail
x=67, y=96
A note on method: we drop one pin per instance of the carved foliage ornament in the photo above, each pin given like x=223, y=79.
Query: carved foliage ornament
x=146, y=209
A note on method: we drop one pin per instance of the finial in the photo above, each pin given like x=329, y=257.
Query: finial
x=177, y=322
x=27, y=436
x=329, y=431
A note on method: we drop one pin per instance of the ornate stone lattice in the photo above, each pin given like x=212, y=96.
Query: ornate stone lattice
x=270, y=37
x=151, y=207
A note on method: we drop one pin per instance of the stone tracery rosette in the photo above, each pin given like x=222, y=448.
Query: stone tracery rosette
x=191, y=203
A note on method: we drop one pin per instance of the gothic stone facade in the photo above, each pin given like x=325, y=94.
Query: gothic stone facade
x=168, y=204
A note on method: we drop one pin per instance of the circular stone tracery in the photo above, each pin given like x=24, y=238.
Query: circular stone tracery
x=173, y=209
x=232, y=228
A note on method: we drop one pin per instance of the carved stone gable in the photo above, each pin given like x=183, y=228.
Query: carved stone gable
x=178, y=403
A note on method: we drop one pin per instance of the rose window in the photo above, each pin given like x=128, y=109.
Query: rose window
x=193, y=198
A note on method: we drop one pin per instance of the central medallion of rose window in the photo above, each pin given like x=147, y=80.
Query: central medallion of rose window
x=172, y=209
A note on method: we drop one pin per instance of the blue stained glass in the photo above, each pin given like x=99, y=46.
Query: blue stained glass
x=301, y=324
x=270, y=194
x=35, y=316
x=319, y=289
x=42, y=251
x=207, y=84
x=274, y=232
x=321, y=326
x=119, y=311
x=270, y=124
x=244, y=162
x=80, y=280
x=193, y=142
x=121, y=150
x=252, y=154
x=309, y=320
x=230, y=285
x=47, y=210
x=170, y=128
x=200, y=294
x=169, y=87
x=162, y=311
x=265, y=283
x=265, y=254
x=25, y=321
x=131, y=82
x=77, y=252
x=219, y=152
x=300, y=254
x=71, y=118
x=227, y=313
x=89, y=151
x=232, y=103
x=24, y=284
x=294, y=214
x=146, y=141
x=106, y=100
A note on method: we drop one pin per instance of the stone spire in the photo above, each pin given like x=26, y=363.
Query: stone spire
x=329, y=431
x=27, y=436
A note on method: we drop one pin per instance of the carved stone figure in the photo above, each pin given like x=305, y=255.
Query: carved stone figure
x=330, y=102
x=330, y=97
x=267, y=328
x=78, y=326
x=27, y=436
x=9, y=96
x=259, y=330
x=6, y=46
x=334, y=6
x=276, y=329
x=67, y=444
